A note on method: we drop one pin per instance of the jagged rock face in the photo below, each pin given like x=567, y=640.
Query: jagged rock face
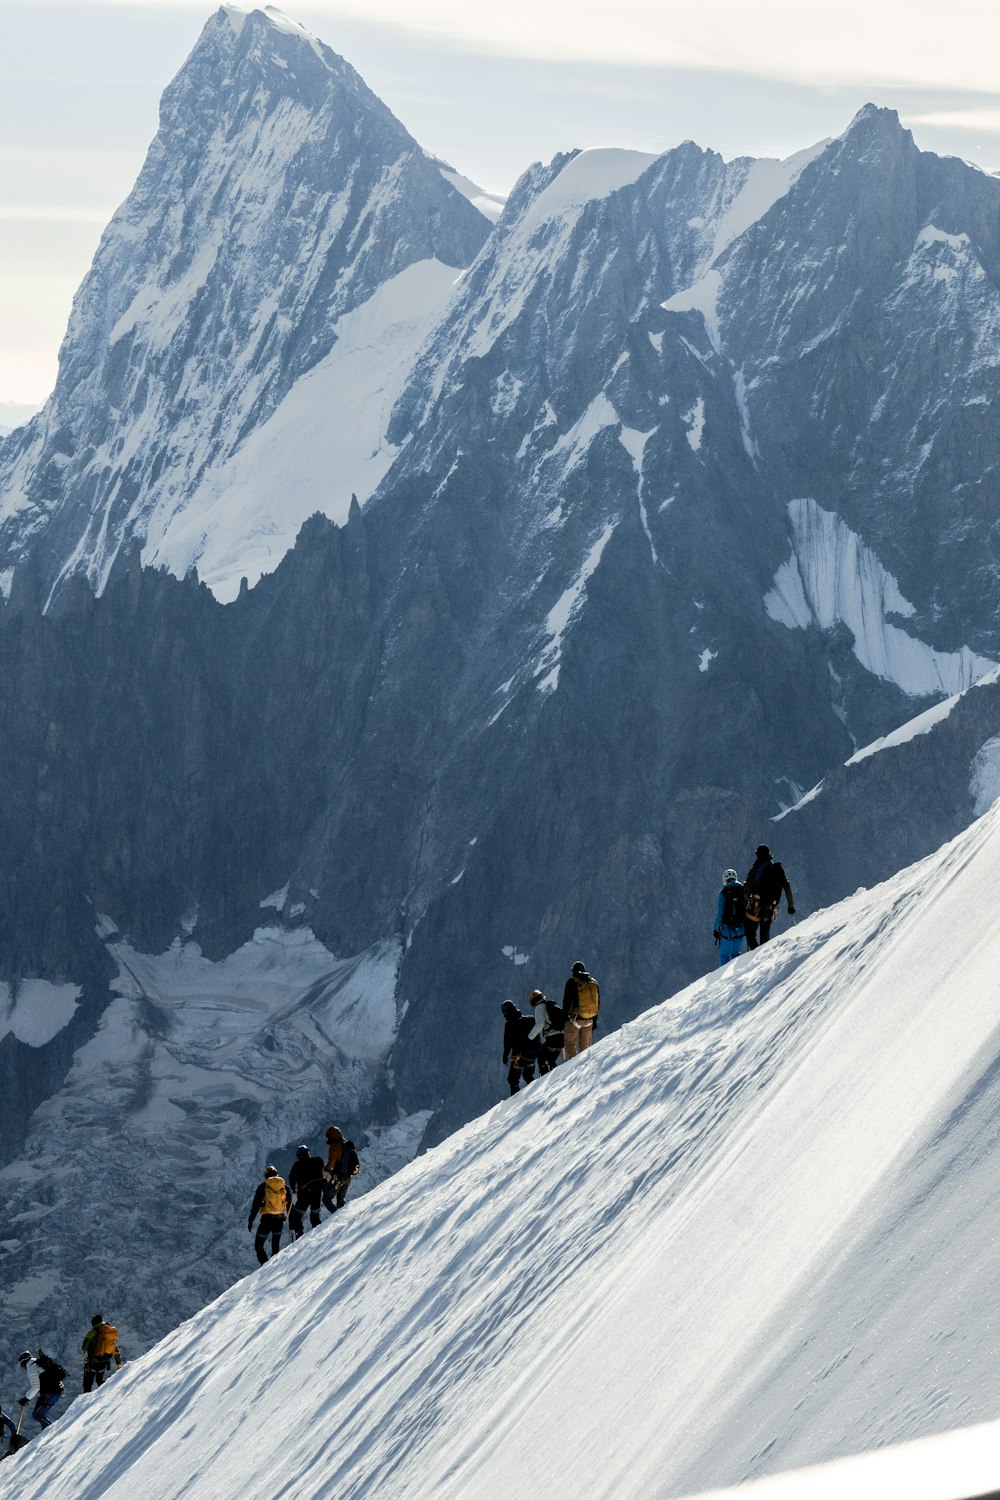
x=633, y=577
x=861, y=314
x=281, y=212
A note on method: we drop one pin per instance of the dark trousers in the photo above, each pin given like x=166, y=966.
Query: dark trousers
x=757, y=932
x=307, y=1200
x=43, y=1406
x=520, y=1069
x=95, y=1369
x=547, y=1058
x=269, y=1224
x=334, y=1193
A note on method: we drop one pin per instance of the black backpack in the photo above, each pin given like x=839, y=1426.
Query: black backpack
x=557, y=1020
x=734, y=906
x=769, y=885
x=51, y=1379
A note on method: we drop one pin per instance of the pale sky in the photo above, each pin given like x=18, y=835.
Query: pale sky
x=490, y=86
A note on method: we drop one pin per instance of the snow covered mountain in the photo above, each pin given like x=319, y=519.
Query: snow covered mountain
x=673, y=509
x=235, y=351
x=752, y=1230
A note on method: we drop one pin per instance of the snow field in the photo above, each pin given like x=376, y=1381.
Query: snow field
x=954, y=1466
x=737, y=1235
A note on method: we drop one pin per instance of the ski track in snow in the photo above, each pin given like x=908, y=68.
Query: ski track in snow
x=753, y=1229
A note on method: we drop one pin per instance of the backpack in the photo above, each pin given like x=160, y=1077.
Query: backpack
x=556, y=1023
x=107, y=1338
x=350, y=1160
x=734, y=905
x=589, y=1001
x=769, y=883
x=51, y=1379
x=274, y=1196
x=526, y=1046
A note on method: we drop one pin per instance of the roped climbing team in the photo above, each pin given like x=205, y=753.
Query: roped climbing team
x=538, y=1039
x=747, y=910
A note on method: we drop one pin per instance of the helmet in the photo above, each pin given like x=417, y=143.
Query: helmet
x=270, y=1171
x=579, y=968
x=728, y=875
x=302, y=1153
x=535, y=995
x=763, y=852
x=24, y=1359
x=509, y=1008
x=97, y=1320
x=334, y=1133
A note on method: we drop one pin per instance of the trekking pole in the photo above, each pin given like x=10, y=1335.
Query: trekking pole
x=20, y=1419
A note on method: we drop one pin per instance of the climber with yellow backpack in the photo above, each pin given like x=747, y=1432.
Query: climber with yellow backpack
x=272, y=1200
x=581, y=1003
x=100, y=1347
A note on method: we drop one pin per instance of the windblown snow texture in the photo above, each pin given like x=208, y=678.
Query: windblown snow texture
x=752, y=1230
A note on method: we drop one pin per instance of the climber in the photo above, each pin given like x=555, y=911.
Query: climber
x=729, y=913
x=272, y=1200
x=45, y=1385
x=18, y=1439
x=342, y=1166
x=762, y=888
x=581, y=1003
x=547, y=1030
x=519, y=1048
x=306, y=1181
x=100, y=1347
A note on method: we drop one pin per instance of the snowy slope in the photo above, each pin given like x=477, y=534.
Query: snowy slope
x=752, y=1230
x=195, y=1068
x=958, y=1465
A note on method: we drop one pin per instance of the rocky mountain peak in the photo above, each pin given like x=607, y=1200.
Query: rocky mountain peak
x=284, y=221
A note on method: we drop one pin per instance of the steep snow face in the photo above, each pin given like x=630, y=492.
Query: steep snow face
x=284, y=226
x=586, y=178
x=958, y=1465
x=759, y=185
x=763, y=1209
x=832, y=578
x=489, y=204
x=197, y=1071
x=324, y=443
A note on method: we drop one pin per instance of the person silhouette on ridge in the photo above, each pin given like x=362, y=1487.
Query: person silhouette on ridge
x=730, y=911
x=762, y=888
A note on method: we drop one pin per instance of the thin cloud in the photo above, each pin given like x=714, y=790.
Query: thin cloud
x=856, y=41
x=980, y=121
x=26, y=213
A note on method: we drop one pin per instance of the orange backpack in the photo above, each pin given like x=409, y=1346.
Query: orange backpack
x=274, y=1196
x=589, y=1000
x=107, y=1338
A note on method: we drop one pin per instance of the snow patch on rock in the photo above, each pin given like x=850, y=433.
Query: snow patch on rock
x=833, y=578
x=563, y=612
x=36, y=1010
x=590, y=175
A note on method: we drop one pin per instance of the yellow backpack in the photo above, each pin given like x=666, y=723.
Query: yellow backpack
x=589, y=1000
x=274, y=1195
x=107, y=1338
